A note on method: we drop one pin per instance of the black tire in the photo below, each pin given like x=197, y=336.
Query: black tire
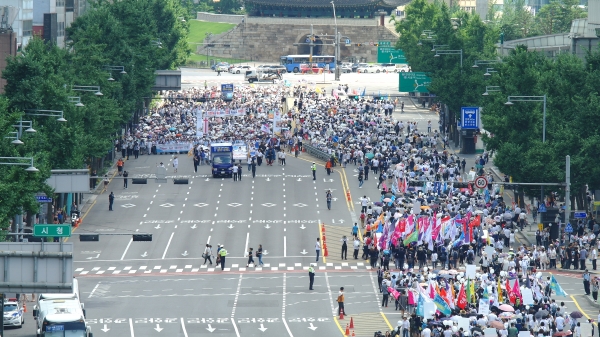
x=377, y=71
x=250, y=80
x=237, y=72
x=296, y=70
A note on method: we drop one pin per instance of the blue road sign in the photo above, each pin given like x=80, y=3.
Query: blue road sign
x=569, y=228
x=348, y=41
x=469, y=117
x=43, y=198
x=579, y=215
x=542, y=208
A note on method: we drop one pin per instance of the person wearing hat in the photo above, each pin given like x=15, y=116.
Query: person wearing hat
x=313, y=167
x=222, y=254
x=311, y=277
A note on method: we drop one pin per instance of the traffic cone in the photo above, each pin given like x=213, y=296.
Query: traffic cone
x=353, y=335
x=351, y=323
x=24, y=307
x=342, y=315
x=324, y=238
x=326, y=252
x=347, y=328
x=348, y=196
x=323, y=228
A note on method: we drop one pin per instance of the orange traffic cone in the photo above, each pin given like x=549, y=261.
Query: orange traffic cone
x=351, y=323
x=347, y=328
x=353, y=335
x=323, y=228
x=342, y=317
x=348, y=196
x=24, y=307
x=324, y=238
x=326, y=252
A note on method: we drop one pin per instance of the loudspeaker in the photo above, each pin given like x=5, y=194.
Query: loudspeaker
x=137, y=181
x=181, y=181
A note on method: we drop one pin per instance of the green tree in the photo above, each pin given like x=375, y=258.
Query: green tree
x=557, y=16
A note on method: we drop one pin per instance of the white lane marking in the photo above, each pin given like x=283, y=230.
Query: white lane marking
x=235, y=300
x=183, y=328
x=126, y=249
x=92, y=293
x=284, y=246
x=208, y=241
x=329, y=292
x=151, y=201
x=283, y=306
x=247, y=239
x=168, y=244
x=131, y=327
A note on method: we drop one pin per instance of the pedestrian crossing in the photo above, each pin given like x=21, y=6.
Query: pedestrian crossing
x=161, y=269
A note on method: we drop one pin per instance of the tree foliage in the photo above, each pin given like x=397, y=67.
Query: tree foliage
x=43, y=76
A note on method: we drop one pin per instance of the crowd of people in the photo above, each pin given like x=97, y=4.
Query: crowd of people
x=445, y=251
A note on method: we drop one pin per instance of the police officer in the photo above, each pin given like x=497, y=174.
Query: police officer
x=314, y=170
x=328, y=197
x=311, y=277
x=222, y=254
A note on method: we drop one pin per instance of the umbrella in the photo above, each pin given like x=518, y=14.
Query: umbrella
x=387, y=199
x=541, y=314
x=425, y=207
x=576, y=314
x=369, y=155
x=452, y=272
x=507, y=315
x=563, y=333
x=497, y=325
x=448, y=322
x=506, y=307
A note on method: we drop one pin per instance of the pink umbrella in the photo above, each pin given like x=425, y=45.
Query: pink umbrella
x=506, y=307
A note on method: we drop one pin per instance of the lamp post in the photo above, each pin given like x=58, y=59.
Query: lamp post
x=510, y=101
x=438, y=46
x=76, y=100
x=429, y=37
x=47, y=113
x=451, y=52
x=485, y=62
x=336, y=45
x=92, y=88
x=114, y=68
x=491, y=88
x=19, y=133
x=17, y=161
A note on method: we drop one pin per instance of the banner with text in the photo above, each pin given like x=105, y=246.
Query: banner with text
x=173, y=148
x=227, y=112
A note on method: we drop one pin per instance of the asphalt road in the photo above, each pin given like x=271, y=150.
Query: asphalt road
x=163, y=288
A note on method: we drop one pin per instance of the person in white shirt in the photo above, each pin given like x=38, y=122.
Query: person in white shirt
x=426, y=332
x=560, y=323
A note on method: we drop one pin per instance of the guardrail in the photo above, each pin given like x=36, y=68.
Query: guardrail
x=313, y=151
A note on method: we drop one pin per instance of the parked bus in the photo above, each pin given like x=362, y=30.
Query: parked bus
x=292, y=62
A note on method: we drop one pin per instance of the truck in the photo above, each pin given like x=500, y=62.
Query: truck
x=262, y=75
x=222, y=159
x=61, y=315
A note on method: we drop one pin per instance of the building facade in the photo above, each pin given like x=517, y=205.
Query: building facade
x=23, y=19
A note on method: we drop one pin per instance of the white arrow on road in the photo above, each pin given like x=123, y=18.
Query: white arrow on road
x=265, y=252
x=262, y=328
x=158, y=328
x=303, y=252
x=312, y=327
x=330, y=180
x=302, y=227
x=157, y=226
x=145, y=254
x=185, y=253
x=93, y=257
x=230, y=226
x=299, y=179
x=193, y=227
x=334, y=199
x=207, y=179
x=267, y=226
x=105, y=328
x=268, y=179
x=210, y=328
x=341, y=221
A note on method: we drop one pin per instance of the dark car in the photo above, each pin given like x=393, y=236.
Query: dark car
x=354, y=67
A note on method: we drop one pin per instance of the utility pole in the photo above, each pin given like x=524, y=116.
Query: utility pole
x=568, y=190
x=336, y=45
x=312, y=44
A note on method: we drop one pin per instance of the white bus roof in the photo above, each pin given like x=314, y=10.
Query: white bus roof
x=74, y=294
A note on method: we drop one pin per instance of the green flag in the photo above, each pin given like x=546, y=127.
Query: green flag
x=468, y=291
x=411, y=238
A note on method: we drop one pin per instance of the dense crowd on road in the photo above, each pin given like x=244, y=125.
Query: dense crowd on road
x=444, y=249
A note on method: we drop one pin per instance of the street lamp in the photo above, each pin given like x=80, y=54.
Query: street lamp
x=438, y=46
x=76, y=100
x=92, y=88
x=19, y=133
x=491, y=88
x=156, y=43
x=489, y=71
x=336, y=45
x=512, y=99
x=47, y=113
x=450, y=52
x=114, y=68
x=485, y=62
x=15, y=162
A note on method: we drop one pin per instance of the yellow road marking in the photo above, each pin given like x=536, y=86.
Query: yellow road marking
x=578, y=307
x=335, y=319
x=386, y=321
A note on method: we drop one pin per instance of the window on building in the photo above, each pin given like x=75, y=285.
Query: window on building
x=27, y=27
x=61, y=29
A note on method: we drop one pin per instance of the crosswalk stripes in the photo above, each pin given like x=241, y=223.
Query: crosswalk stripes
x=211, y=268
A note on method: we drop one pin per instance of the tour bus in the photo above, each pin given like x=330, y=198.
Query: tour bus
x=292, y=62
x=61, y=315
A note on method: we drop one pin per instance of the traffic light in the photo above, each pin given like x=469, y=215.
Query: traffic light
x=376, y=44
x=142, y=237
x=359, y=44
x=460, y=185
x=89, y=237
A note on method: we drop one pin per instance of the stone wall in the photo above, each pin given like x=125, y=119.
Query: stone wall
x=267, y=42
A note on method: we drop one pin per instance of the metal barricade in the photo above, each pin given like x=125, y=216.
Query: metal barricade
x=313, y=151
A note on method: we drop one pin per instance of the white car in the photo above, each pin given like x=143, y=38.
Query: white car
x=13, y=314
x=346, y=68
x=389, y=67
x=240, y=69
x=371, y=68
x=403, y=68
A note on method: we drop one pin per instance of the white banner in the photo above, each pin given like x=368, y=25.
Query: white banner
x=484, y=307
x=173, y=148
x=225, y=112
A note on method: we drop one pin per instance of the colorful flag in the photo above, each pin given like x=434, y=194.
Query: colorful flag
x=511, y=295
x=431, y=291
x=411, y=238
x=468, y=291
x=558, y=290
x=472, y=298
x=517, y=291
x=461, y=302
x=441, y=305
x=485, y=295
x=448, y=295
x=421, y=306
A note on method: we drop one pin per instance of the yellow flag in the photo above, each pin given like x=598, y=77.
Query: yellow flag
x=472, y=292
x=500, y=298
